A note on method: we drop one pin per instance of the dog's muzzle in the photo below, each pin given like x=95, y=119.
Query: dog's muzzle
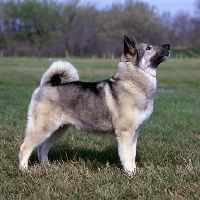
x=166, y=49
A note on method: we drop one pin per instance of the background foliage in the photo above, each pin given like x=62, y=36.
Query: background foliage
x=68, y=28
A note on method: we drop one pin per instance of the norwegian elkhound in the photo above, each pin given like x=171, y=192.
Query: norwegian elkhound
x=119, y=105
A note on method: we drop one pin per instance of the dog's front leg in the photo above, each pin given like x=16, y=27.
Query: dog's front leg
x=135, y=145
x=126, y=150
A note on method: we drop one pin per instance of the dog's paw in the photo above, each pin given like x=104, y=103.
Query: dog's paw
x=129, y=174
x=130, y=170
x=23, y=167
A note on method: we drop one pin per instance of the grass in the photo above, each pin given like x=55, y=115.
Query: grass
x=86, y=166
x=184, y=53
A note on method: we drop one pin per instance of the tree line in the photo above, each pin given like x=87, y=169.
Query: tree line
x=66, y=28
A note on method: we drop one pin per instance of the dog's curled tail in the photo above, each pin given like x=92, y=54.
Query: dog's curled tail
x=60, y=72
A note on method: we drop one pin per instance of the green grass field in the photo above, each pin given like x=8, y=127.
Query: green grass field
x=86, y=166
x=184, y=53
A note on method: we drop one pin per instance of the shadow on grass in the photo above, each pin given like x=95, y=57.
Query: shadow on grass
x=93, y=158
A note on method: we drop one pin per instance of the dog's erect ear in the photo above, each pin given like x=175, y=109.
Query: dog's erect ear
x=129, y=46
x=130, y=51
x=133, y=40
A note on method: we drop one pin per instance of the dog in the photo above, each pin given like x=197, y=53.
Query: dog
x=118, y=106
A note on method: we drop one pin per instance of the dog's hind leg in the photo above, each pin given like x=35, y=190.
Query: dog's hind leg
x=36, y=134
x=44, y=148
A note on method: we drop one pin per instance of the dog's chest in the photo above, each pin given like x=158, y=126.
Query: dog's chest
x=147, y=110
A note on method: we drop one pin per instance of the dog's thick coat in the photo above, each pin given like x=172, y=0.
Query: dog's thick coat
x=119, y=105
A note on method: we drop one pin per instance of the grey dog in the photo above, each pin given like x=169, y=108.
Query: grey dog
x=119, y=105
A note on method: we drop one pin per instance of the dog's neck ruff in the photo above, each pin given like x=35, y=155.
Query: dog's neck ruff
x=124, y=59
x=154, y=76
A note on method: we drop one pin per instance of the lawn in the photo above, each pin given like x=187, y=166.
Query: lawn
x=85, y=166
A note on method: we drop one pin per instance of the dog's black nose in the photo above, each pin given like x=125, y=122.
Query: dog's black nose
x=166, y=46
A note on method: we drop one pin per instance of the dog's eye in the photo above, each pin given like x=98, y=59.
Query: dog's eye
x=148, y=48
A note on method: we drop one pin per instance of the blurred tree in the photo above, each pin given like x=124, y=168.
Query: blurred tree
x=33, y=20
x=68, y=13
x=84, y=40
x=195, y=22
x=197, y=6
x=78, y=27
x=181, y=27
x=3, y=42
x=133, y=17
x=68, y=28
x=166, y=30
x=111, y=30
x=141, y=20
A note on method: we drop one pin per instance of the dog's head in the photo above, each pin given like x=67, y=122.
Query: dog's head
x=145, y=56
